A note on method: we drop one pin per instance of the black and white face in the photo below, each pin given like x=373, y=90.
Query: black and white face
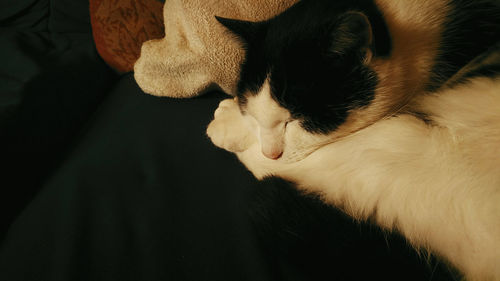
x=305, y=72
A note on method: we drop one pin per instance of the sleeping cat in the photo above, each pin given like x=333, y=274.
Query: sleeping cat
x=390, y=110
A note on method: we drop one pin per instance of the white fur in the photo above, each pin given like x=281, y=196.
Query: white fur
x=271, y=119
x=231, y=130
x=437, y=183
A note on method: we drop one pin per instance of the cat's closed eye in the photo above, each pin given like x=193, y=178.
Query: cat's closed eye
x=287, y=122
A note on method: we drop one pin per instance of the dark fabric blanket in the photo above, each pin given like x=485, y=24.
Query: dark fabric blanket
x=100, y=181
x=51, y=80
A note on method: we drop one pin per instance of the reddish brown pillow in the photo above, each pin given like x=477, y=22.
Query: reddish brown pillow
x=120, y=27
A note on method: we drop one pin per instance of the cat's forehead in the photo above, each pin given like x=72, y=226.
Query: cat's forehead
x=264, y=108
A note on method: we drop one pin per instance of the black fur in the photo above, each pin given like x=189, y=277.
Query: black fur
x=470, y=29
x=317, y=66
x=485, y=65
x=319, y=75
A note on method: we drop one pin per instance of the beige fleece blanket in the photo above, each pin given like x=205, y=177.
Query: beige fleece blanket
x=197, y=52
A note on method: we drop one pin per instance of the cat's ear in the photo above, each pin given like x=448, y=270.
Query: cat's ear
x=246, y=30
x=352, y=34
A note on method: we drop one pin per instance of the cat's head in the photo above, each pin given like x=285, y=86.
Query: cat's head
x=306, y=76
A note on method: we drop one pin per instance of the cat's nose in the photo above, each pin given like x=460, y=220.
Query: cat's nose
x=272, y=142
x=272, y=154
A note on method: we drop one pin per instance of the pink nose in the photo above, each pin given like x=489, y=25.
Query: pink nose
x=274, y=155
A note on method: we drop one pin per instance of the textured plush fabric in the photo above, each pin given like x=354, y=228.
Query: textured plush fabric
x=120, y=28
x=197, y=51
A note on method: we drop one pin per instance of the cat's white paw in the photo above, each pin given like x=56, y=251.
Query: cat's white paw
x=229, y=130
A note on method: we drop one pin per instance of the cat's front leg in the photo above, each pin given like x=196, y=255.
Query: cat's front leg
x=237, y=133
x=231, y=130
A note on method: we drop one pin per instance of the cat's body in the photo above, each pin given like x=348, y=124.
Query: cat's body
x=439, y=186
x=365, y=117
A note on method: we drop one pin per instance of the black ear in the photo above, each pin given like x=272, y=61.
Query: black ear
x=352, y=33
x=246, y=30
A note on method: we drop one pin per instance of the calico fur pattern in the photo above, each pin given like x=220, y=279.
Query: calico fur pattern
x=382, y=109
